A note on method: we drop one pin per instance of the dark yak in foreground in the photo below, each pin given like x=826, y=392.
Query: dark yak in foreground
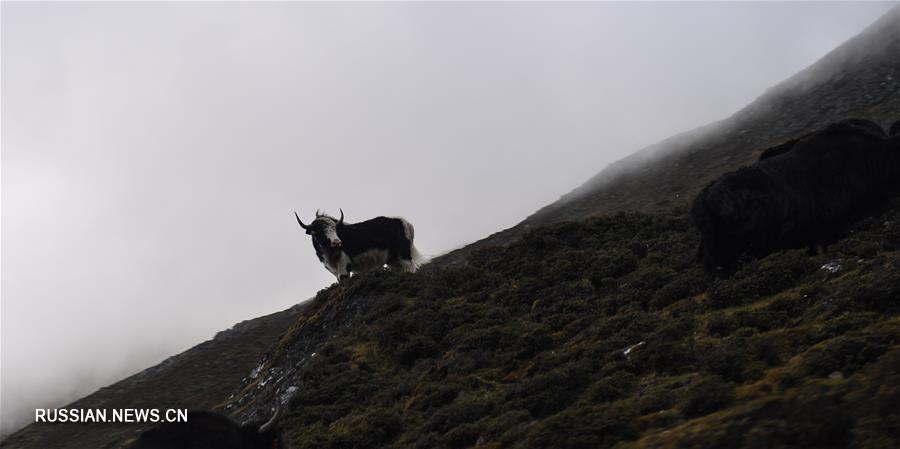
x=801, y=193
x=368, y=245
x=209, y=430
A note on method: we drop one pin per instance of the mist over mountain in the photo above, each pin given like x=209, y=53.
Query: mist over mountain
x=857, y=79
x=517, y=340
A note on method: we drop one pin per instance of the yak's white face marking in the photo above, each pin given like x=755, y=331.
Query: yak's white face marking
x=324, y=232
x=329, y=228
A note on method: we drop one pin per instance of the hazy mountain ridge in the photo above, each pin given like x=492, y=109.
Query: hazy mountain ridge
x=860, y=78
x=395, y=325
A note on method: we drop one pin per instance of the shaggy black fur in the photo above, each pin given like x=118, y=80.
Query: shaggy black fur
x=801, y=193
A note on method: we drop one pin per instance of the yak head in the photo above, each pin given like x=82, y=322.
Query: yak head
x=323, y=230
x=895, y=129
x=736, y=214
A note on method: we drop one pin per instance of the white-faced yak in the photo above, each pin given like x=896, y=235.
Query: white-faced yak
x=346, y=248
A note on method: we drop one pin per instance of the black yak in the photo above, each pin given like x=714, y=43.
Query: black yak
x=801, y=193
x=210, y=430
x=344, y=248
x=895, y=129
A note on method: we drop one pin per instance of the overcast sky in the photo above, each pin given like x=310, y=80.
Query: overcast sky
x=153, y=153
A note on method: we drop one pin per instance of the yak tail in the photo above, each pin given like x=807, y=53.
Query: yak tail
x=417, y=258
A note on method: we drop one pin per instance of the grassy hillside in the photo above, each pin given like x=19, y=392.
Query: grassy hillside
x=524, y=347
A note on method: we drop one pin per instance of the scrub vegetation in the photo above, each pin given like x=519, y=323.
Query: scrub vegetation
x=524, y=346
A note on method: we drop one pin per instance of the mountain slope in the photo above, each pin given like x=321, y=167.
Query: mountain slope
x=860, y=78
x=597, y=333
x=201, y=377
x=604, y=332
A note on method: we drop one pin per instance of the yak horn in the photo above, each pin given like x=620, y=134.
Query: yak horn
x=341, y=221
x=271, y=422
x=298, y=221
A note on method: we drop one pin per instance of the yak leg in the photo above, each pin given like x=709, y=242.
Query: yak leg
x=408, y=266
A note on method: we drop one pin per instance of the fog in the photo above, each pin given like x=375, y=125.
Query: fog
x=153, y=153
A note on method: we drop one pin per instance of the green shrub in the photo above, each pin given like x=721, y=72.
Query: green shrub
x=687, y=284
x=612, y=263
x=618, y=385
x=760, y=278
x=708, y=394
x=546, y=393
x=416, y=348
